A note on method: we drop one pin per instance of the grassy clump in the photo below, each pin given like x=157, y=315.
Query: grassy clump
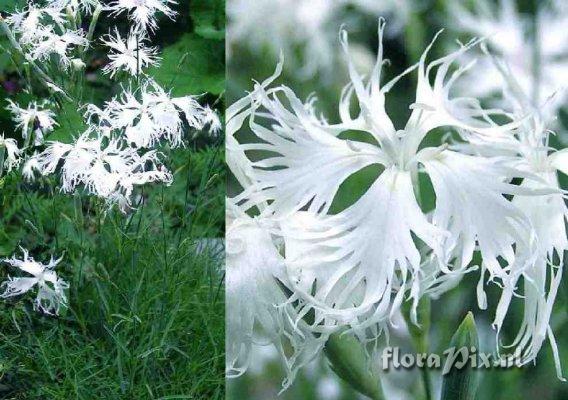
x=146, y=313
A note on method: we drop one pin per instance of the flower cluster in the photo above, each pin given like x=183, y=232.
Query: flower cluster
x=117, y=150
x=152, y=115
x=107, y=168
x=327, y=269
x=46, y=31
x=50, y=296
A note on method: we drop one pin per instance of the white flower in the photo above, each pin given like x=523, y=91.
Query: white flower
x=61, y=45
x=155, y=116
x=34, y=118
x=12, y=152
x=258, y=311
x=30, y=167
x=528, y=150
x=104, y=167
x=354, y=268
x=142, y=12
x=131, y=55
x=29, y=23
x=42, y=32
x=50, y=295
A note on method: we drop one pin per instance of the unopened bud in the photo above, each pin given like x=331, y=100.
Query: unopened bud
x=78, y=64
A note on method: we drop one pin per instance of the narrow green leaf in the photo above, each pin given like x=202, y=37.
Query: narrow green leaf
x=461, y=383
x=348, y=360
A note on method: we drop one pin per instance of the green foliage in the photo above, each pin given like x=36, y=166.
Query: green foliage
x=146, y=305
x=71, y=124
x=192, y=65
x=209, y=18
x=146, y=312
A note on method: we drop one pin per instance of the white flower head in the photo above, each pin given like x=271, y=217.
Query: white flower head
x=36, y=118
x=130, y=55
x=143, y=12
x=354, y=268
x=12, y=152
x=104, y=167
x=30, y=167
x=527, y=149
x=152, y=114
x=33, y=22
x=50, y=296
x=60, y=45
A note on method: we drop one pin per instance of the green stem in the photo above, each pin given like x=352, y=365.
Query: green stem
x=93, y=24
x=2, y=159
x=420, y=337
x=425, y=375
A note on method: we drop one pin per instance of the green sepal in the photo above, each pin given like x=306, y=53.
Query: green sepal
x=461, y=384
x=348, y=360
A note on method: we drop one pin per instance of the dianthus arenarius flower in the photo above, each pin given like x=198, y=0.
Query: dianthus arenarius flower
x=50, y=288
x=527, y=149
x=355, y=267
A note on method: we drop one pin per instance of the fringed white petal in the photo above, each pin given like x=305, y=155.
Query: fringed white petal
x=355, y=268
x=308, y=162
x=542, y=279
x=471, y=206
x=435, y=108
x=236, y=114
x=257, y=304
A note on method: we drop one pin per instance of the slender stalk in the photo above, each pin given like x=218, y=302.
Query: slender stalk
x=420, y=337
x=425, y=375
x=2, y=157
x=46, y=80
x=138, y=59
x=94, y=20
